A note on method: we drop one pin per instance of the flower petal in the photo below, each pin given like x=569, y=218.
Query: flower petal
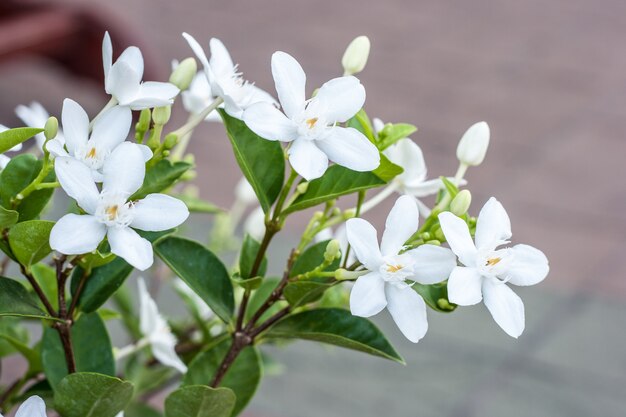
x=163, y=348
x=76, y=180
x=111, y=128
x=124, y=83
x=458, y=237
x=133, y=58
x=55, y=147
x=153, y=94
x=146, y=152
x=75, y=125
x=307, y=159
x=341, y=98
x=367, y=297
x=433, y=263
x=493, y=226
x=124, y=170
x=74, y=234
x=221, y=63
x=150, y=321
x=464, y=286
x=158, y=212
x=363, y=239
x=290, y=81
x=127, y=244
x=270, y=123
x=529, y=266
x=408, y=155
x=408, y=310
x=348, y=147
x=33, y=407
x=506, y=308
x=401, y=223
x=107, y=57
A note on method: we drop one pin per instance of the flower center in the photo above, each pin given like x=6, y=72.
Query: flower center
x=394, y=268
x=91, y=156
x=91, y=153
x=311, y=122
x=492, y=261
x=114, y=211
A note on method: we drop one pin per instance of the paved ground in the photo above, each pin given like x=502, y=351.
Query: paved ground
x=550, y=78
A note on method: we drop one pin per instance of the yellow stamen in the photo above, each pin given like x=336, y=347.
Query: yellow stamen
x=91, y=153
x=311, y=122
x=492, y=261
x=394, y=268
x=111, y=211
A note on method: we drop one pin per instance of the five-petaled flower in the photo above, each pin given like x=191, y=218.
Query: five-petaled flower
x=198, y=96
x=123, y=80
x=310, y=125
x=224, y=79
x=487, y=269
x=389, y=282
x=156, y=331
x=33, y=407
x=109, y=212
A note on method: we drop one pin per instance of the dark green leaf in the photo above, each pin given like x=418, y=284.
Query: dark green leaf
x=249, y=251
x=311, y=258
x=30, y=241
x=436, y=296
x=338, y=181
x=392, y=133
x=201, y=270
x=101, y=283
x=91, y=395
x=140, y=410
x=8, y=217
x=10, y=138
x=200, y=401
x=16, y=301
x=261, y=161
x=160, y=177
x=91, y=345
x=304, y=292
x=260, y=295
x=336, y=327
x=18, y=174
x=242, y=377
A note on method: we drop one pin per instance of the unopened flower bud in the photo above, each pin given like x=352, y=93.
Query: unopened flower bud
x=170, y=141
x=161, y=115
x=302, y=187
x=144, y=120
x=51, y=128
x=183, y=74
x=348, y=214
x=333, y=250
x=344, y=275
x=355, y=57
x=473, y=145
x=461, y=203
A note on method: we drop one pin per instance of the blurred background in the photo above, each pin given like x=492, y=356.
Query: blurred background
x=548, y=77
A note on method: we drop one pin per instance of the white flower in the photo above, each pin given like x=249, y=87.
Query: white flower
x=4, y=160
x=386, y=284
x=204, y=311
x=244, y=192
x=109, y=212
x=473, y=145
x=198, y=96
x=33, y=407
x=224, y=79
x=109, y=130
x=310, y=125
x=35, y=115
x=255, y=224
x=156, y=331
x=487, y=269
x=122, y=80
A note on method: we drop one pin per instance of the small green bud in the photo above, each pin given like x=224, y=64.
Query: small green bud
x=333, y=251
x=355, y=57
x=51, y=128
x=161, y=115
x=348, y=214
x=144, y=120
x=438, y=234
x=165, y=153
x=302, y=187
x=170, y=140
x=345, y=275
x=460, y=204
x=183, y=74
x=444, y=304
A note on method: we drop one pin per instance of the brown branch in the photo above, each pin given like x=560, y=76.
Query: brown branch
x=64, y=328
x=79, y=290
x=42, y=296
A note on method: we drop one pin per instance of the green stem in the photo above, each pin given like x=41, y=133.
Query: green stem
x=197, y=119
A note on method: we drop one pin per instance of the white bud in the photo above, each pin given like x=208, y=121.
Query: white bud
x=244, y=192
x=473, y=145
x=355, y=57
x=183, y=73
x=333, y=250
x=460, y=204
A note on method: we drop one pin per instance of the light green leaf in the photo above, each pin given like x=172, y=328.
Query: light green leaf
x=31, y=355
x=16, y=301
x=304, y=292
x=101, y=284
x=10, y=138
x=160, y=177
x=242, y=377
x=200, y=401
x=260, y=295
x=137, y=409
x=392, y=133
x=261, y=161
x=46, y=277
x=336, y=327
x=249, y=251
x=436, y=296
x=30, y=241
x=89, y=394
x=201, y=270
x=91, y=345
x=311, y=258
x=362, y=123
x=8, y=217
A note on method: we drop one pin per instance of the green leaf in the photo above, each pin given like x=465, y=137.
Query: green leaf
x=46, y=277
x=31, y=355
x=261, y=161
x=160, y=177
x=450, y=187
x=10, y=138
x=200, y=401
x=249, y=251
x=304, y=292
x=101, y=283
x=242, y=377
x=11, y=327
x=140, y=410
x=197, y=205
x=8, y=217
x=146, y=378
x=338, y=181
x=30, y=241
x=311, y=258
x=362, y=123
x=16, y=301
x=336, y=327
x=392, y=133
x=201, y=270
x=91, y=345
x=18, y=174
x=436, y=296
x=91, y=395
x=260, y=295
